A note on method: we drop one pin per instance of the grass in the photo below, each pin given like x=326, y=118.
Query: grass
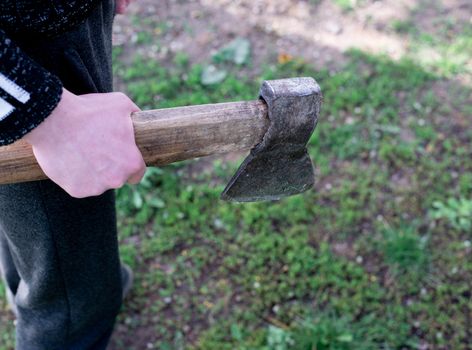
x=456, y=212
x=347, y=5
x=445, y=49
x=405, y=252
x=376, y=257
x=358, y=263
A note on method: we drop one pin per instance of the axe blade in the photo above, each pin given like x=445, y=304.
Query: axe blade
x=280, y=166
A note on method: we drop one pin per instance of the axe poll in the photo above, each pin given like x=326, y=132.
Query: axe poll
x=276, y=128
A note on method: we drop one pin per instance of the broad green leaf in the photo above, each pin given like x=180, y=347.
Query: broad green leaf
x=237, y=51
x=212, y=75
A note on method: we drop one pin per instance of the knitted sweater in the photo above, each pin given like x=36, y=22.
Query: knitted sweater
x=28, y=92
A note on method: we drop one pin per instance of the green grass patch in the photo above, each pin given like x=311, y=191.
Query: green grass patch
x=237, y=266
x=318, y=270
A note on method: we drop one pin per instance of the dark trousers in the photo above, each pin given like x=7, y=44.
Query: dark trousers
x=59, y=255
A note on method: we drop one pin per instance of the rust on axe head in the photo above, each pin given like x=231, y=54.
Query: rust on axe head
x=280, y=165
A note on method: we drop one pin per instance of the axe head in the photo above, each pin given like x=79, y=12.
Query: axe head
x=280, y=166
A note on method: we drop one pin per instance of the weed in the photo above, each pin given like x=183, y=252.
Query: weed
x=324, y=332
x=457, y=212
x=406, y=251
x=404, y=26
x=347, y=5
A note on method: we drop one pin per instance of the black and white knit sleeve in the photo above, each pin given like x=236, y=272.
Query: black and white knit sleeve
x=28, y=92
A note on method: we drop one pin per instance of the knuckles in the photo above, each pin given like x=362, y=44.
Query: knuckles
x=136, y=166
x=112, y=179
x=124, y=100
x=115, y=182
x=101, y=168
x=81, y=191
x=120, y=95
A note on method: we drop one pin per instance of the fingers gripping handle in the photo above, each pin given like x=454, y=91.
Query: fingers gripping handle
x=165, y=136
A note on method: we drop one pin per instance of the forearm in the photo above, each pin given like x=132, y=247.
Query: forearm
x=84, y=143
x=28, y=93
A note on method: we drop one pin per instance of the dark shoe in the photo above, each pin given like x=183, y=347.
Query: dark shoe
x=127, y=278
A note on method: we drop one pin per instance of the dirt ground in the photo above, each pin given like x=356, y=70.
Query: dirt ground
x=319, y=32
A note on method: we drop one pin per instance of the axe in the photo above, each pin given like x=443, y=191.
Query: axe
x=276, y=128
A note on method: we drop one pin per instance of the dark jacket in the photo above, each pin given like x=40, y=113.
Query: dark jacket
x=28, y=92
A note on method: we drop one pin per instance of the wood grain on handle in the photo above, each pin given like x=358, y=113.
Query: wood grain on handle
x=166, y=135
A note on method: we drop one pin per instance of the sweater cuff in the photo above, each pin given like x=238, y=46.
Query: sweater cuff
x=28, y=92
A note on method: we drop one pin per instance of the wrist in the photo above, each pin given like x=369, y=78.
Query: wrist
x=44, y=130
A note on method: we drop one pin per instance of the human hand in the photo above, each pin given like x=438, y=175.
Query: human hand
x=87, y=144
x=121, y=6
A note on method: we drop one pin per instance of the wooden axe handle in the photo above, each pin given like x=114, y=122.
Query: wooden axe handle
x=166, y=135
